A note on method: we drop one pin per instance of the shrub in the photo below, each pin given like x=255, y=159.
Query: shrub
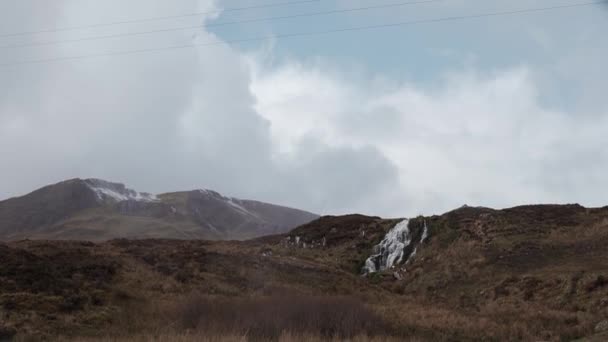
x=7, y=333
x=269, y=317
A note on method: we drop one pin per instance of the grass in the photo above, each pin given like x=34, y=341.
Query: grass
x=482, y=276
x=261, y=318
x=198, y=337
x=268, y=317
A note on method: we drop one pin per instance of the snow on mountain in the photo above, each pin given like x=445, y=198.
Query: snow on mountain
x=58, y=211
x=235, y=203
x=117, y=192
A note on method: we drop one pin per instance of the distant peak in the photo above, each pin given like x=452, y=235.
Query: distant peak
x=207, y=192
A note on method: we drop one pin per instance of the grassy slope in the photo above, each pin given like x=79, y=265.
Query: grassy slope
x=519, y=274
x=102, y=224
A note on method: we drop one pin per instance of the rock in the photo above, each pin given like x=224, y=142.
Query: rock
x=397, y=276
x=601, y=327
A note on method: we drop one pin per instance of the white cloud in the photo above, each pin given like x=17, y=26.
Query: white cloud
x=309, y=134
x=476, y=139
x=162, y=122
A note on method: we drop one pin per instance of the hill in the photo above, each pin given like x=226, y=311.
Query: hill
x=97, y=210
x=472, y=274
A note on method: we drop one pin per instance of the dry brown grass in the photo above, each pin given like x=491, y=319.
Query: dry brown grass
x=593, y=230
x=524, y=274
x=284, y=337
x=211, y=318
x=269, y=317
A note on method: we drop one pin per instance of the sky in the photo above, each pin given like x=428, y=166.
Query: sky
x=412, y=119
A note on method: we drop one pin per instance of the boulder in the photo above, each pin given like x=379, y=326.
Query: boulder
x=601, y=327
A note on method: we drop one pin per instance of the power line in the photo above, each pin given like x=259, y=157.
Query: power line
x=313, y=33
x=233, y=9
x=293, y=16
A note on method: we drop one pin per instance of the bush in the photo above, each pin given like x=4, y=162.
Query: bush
x=7, y=333
x=73, y=302
x=269, y=317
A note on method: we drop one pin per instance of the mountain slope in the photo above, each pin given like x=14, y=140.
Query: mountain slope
x=45, y=207
x=97, y=210
x=536, y=272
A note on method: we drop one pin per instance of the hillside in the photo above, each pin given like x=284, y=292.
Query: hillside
x=97, y=210
x=473, y=274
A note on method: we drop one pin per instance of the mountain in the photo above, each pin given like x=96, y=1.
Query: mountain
x=97, y=210
x=529, y=273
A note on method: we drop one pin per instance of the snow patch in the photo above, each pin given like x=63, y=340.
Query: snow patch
x=235, y=203
x=213, y=228
x=118, y=192
x=232, y=202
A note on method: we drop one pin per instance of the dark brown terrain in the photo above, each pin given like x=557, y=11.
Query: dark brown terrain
x=528, y=273
x=96, y=210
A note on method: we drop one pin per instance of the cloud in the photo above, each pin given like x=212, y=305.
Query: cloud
x=478, y=138
x=164, y=121
x=309, y=133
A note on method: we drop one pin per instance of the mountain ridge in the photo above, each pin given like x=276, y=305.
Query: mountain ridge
x=95, y=209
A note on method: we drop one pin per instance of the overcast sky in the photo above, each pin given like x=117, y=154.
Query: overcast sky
x=418, y=119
